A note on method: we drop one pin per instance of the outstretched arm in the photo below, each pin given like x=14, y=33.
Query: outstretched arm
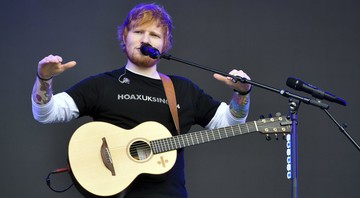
x=46, y=107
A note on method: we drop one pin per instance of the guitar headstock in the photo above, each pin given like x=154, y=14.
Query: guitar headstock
x=274, y=125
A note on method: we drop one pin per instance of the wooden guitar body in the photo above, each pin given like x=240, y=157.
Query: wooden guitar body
x=128, y=151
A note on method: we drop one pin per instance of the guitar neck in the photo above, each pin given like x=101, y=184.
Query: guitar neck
x=195, y=138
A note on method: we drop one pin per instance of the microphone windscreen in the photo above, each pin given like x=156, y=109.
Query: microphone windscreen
x=293, y=83
x=148, y=50
x=144, y=49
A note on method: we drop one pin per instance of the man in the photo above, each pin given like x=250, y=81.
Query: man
x=133, y=94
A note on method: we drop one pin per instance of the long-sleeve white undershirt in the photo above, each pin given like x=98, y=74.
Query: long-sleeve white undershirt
x=62, y=108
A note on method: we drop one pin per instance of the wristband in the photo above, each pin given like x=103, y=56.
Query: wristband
x=43, y=79
x=243, y=93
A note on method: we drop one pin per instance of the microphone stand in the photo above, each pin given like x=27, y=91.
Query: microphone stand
x=293, y=107
x=282, y=92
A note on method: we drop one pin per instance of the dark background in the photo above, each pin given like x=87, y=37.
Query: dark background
x=314, y=40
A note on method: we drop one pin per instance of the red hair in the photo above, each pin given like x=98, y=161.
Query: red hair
x=147, y=13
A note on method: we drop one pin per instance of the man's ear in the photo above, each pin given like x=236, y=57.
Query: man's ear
x=123, y=39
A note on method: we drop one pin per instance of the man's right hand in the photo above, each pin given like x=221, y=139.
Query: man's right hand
x=52, y=66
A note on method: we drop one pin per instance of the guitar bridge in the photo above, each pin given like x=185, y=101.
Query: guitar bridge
x=106, y=157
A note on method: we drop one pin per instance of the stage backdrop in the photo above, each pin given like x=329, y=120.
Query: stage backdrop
x=316, y=41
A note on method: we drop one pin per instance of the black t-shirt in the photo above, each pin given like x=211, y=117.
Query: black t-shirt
x=126, y=99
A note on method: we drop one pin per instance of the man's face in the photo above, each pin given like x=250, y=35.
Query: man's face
x=149, y=33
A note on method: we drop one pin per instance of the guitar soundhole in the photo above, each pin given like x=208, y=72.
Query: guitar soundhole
x=140, y=150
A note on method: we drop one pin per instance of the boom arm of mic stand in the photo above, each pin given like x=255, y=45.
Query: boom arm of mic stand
x=170, y=57
x=244, y=80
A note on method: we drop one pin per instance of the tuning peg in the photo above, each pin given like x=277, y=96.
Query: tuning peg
x=268, y=138
x=270, y=115
x=261, y=116
x=276, y=136
x=278, y=114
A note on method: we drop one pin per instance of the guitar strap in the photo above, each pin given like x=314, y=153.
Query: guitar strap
x=171, y=98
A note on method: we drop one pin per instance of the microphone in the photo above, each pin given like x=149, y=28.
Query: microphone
x=300, y=85
x=147, y=50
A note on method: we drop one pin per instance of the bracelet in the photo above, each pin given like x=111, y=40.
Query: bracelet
x=243, y=93
x=43, y=79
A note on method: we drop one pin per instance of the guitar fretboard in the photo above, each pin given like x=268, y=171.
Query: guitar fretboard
x=195, y=138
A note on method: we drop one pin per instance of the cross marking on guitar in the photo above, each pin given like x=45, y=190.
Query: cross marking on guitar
x=162, y=161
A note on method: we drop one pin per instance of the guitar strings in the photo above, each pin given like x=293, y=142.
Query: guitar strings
x=180, y=141
x=190, y=139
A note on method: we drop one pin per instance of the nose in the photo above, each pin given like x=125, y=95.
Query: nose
x=145, y=38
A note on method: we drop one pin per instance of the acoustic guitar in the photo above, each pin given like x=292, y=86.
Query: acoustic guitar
x=105, y=159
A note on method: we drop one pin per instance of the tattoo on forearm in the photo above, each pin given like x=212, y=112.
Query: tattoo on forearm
x=42, y=92
x=239, y=106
